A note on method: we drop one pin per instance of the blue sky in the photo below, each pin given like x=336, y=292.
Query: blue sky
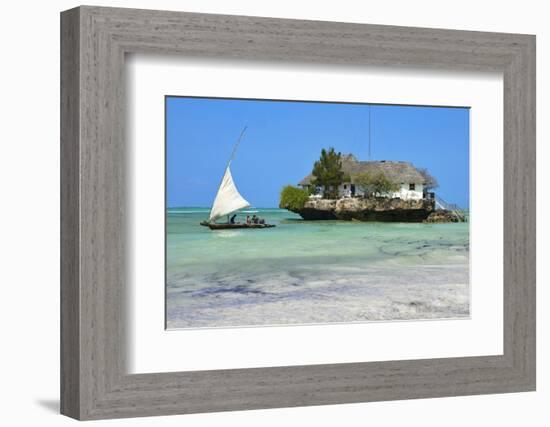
x=283, y=139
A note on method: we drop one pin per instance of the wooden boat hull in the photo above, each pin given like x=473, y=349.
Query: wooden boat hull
x=214, y=226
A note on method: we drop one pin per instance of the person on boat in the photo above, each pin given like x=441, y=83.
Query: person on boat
x=232, y=220
x=248, y=219
x=254, y=219
x=262, y=221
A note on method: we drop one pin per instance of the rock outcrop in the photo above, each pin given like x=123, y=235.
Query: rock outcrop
x=370, y=209
x=445, y=216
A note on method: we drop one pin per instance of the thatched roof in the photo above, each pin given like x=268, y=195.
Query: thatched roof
x=398, y=172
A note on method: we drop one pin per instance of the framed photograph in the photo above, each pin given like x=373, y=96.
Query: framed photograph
x=348, y=242
x=262, y=213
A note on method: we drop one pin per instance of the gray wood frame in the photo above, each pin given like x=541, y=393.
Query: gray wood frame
x=94, y=382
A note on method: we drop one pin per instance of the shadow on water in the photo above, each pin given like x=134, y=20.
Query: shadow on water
x=293, y=220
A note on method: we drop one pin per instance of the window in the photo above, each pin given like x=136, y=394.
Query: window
x=412, y=187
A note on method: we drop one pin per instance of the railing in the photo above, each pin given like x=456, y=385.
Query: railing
x=451, y=207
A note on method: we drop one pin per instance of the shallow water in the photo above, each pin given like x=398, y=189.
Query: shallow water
x=313, y=271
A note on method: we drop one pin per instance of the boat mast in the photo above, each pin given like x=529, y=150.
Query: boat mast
x=236, y=146
x=233, y=153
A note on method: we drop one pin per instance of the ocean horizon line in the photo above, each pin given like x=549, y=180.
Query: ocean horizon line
x=208, y=207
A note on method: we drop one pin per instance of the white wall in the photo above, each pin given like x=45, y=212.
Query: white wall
x=403, y=193
x=29, y=212
x=344, y=191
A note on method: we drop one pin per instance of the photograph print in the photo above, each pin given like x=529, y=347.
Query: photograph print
x=304, y=212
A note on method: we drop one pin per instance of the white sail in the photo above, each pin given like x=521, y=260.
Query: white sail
x=227, y=199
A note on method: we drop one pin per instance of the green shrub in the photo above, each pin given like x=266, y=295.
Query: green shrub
x=374, y=184
x=383, y=185
x=293, y=198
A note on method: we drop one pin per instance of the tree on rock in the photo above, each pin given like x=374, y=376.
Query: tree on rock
x=328, y=173
x=430, y=182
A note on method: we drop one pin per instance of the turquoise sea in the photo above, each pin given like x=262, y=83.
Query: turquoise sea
x=303, y=272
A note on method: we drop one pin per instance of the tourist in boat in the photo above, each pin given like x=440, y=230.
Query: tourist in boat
x=248, y=219
x=254, y=219
x=232, y=220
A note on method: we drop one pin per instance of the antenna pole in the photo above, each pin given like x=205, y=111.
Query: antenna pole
x=369, y=131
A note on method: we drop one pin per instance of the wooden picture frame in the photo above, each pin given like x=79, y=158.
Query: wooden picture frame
x=94, y=382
